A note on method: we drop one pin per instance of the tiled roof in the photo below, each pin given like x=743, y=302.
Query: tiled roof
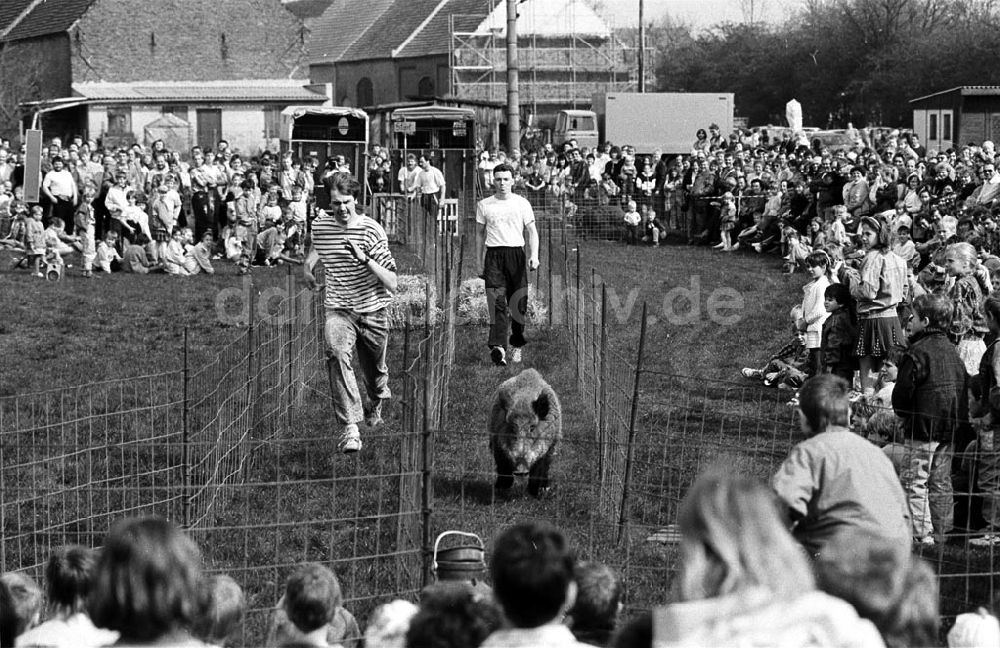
x=10, y=10
x=307, y=9
x=400, y=20
x=340, y=26
x=49, y=17
x=435, y=37
x=256, y=90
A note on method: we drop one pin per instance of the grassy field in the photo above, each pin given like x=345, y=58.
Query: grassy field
x=305, y=502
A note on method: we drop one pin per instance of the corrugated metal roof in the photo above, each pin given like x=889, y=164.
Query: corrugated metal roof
x=340, y=26
x=435, y=37
x=256, y=90
x=10, y=10
x=49, y=17
x=966, y=91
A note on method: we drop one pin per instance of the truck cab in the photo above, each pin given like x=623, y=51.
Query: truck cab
x=579, y=125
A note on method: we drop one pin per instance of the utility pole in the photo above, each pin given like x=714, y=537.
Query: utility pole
x=642, y=46
x=513, y=99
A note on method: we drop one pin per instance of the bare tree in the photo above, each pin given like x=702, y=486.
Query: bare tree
x=17, y=85
x=753, y=10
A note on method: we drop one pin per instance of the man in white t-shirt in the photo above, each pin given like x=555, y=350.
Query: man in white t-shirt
x=503, y=219
x=431, y=187
x=408, y=177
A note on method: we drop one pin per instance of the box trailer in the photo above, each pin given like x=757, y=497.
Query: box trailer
x=664, y=121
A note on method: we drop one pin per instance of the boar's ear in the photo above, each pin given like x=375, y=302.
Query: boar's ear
x=541, y=406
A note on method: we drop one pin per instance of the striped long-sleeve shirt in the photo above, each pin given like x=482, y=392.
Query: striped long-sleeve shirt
x=351, y=286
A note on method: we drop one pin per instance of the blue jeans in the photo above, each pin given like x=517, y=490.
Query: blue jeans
x=344, y=332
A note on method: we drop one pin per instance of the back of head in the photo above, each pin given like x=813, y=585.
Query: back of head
x=68, y=579
x=20, y=606
x=221, y=608
x=938, y=309
x=146, y=580
x=312, y=595
x=531, y=569
x=733, y=538
x=598, y=602
x=823, y=401
x=453, y=615
x=885, y=583
x=636, y=633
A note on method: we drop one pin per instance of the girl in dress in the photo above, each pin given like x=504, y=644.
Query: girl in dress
x=878, y=288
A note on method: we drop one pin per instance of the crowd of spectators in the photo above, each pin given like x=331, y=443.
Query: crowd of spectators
x=902, y=295
x=742, y=579
x=147, y=209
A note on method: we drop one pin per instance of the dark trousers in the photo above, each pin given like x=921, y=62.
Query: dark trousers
x=506, y=274
x=64, y=210
x=203, y=206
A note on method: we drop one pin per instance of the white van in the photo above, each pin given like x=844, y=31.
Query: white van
x=579, y=125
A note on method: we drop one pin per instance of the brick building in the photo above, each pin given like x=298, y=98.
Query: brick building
x=400, y=50
x=109, y=67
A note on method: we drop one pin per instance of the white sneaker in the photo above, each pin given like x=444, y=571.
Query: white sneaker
x=515, y=354
x=350, y=439
x=499, y=356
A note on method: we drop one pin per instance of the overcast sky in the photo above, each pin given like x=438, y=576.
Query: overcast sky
x=700, y=13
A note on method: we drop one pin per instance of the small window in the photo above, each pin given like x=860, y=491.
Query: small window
x=177, y=110
x=366, y=92
x=425, y=87
x=932, y=124
x=272, y=123
x=120, y=120
x=946, y=127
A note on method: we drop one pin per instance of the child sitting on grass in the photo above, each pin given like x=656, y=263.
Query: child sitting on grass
x=654, y=231
x=108, y=258
x=787, y=368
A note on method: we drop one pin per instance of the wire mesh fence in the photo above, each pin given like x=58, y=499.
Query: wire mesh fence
x=236, y=448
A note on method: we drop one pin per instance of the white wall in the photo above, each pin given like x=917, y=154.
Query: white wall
x=242, y=124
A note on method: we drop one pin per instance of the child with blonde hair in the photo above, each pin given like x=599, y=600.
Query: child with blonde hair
x=969, y=324
x=727, y=221
x=84, y=223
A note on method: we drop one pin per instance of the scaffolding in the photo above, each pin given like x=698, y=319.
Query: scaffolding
x=557, y=71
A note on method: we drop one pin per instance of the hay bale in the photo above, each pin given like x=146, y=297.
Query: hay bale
x=410, y=301
x=472, y=304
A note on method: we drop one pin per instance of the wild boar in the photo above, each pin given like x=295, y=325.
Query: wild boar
x=525, y=428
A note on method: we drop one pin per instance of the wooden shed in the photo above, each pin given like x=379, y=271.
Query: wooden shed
x=962, y=115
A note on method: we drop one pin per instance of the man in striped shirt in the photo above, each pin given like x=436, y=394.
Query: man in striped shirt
x=360, y=275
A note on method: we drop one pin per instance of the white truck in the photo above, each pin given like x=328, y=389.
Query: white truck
x=664, y=121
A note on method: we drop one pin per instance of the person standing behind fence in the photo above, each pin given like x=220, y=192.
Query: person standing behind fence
x=502, y=220
x=360, y=275
x=431, y=187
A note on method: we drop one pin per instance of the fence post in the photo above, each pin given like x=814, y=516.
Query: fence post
x=602, y=418
x=630, y=448
x=578, y=326
x=595, y=327
x=290, y=345
x=548, y=265
x=425, y=450
x=185, y=440
x=251, y=353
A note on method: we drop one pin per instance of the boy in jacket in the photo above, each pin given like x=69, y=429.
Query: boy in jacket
x=931, y=397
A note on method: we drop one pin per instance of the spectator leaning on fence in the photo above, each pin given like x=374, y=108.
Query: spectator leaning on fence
x=360, y=273
x=502, y=220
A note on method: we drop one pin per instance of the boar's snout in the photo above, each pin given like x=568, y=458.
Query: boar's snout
x=520, y=469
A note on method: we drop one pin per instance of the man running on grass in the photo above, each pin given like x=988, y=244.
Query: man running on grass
x=360, y=273
x=503, y=219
